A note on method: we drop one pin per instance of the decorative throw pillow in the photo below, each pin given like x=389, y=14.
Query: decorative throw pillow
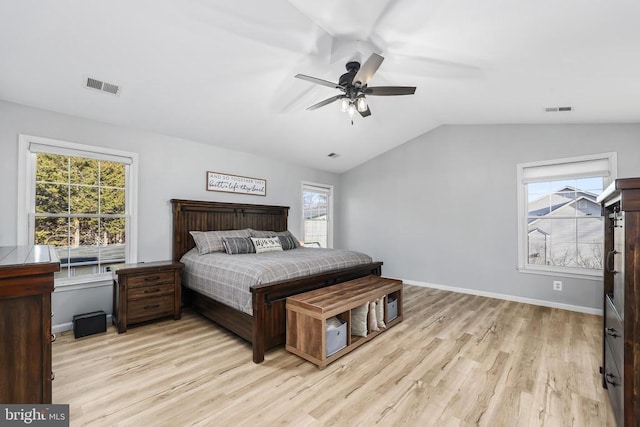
x=373, y=323
x=286, y=234
x=287, y=242
x=211, y=241
x=238, y=245
x=266, y=244
x=359, y=320
x=380, y=313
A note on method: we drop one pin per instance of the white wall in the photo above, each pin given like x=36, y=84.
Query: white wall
x=168, y=168
x=441, y=209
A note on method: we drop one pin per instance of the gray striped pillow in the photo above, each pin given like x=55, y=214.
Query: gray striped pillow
x=238, y=245
x=287, y=242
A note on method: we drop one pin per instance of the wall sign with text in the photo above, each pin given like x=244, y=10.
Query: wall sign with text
x=236, y=184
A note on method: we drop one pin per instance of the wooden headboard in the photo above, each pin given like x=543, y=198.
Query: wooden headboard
x=194, y=215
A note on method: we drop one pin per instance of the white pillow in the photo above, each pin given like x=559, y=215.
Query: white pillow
x=266, y=244
x=359, y=320
x=292, y=241
x=380, y=312
x=373, y=323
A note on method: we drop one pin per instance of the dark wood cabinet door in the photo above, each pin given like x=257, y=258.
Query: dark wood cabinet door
x=26, y=283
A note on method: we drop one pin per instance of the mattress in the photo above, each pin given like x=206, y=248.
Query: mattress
x=229, y=278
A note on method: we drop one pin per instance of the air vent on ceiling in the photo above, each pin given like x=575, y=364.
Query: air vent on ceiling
x=557, y=109
x=102, y=86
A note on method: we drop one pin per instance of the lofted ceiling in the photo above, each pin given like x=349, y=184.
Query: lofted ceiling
x=221, y=72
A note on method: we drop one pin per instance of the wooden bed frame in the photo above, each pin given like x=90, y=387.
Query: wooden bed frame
x=266, y=328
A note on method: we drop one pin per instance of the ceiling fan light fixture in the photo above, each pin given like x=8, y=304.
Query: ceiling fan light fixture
x=352, y=110
x=361, y=104
x=344, y=105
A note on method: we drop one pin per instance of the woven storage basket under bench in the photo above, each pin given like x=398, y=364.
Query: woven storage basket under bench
x=307, y=315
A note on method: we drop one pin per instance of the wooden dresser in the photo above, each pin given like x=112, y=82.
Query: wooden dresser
x=26, y=284
x=146, y=291
x=621, y=333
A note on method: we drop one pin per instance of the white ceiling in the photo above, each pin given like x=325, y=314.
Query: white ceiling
x=221, y=72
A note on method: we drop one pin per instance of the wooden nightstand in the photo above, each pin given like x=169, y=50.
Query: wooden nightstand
x=146, y=291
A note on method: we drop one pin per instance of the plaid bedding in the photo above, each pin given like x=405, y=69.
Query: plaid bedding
x=228, y=278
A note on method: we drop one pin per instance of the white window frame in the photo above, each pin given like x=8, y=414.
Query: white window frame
x=28, y=146
x=524, y=176
x=326, y=188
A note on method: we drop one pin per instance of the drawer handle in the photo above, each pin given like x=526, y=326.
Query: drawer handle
x=147, y=307
x=611, y=332
x=151, y=279
x=53, y=376
x=53, y=337
x=152, y=291
x=609, y=379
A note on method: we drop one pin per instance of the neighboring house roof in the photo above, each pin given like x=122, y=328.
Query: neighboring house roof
x=558, y=198
x=568, y=232
x=568, y=196
x=586, y=205
x=538, y=230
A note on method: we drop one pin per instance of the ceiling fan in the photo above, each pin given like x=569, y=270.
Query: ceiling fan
x=354, y=85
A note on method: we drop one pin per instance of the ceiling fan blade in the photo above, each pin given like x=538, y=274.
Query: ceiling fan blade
x=319, y=81
x=390, y=90
x=365, y=113
x=367, y=70
x=325, y=102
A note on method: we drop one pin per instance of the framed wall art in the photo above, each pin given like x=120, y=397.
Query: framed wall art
x=227, y=183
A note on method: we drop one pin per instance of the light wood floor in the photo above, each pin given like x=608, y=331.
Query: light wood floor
x=456, y=360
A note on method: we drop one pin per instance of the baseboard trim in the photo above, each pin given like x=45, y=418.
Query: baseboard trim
x=63, y=327
x=544, y=303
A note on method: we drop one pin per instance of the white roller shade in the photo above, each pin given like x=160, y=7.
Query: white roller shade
x=600, y=166
x=316, y=189
x=107, y=155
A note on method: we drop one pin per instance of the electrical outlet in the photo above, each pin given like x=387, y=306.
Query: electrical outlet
x=557, y=285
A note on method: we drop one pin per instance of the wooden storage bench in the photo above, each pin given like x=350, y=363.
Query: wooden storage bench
x=307, y=315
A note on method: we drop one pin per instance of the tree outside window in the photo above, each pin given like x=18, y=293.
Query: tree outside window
x=80, y=209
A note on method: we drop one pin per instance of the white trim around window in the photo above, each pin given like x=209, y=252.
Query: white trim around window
x=597, y=165
x=322, y=189
x=28, y=146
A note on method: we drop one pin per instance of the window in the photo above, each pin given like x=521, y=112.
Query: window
x=317, y=210
x=79, y=200
x=561, y=228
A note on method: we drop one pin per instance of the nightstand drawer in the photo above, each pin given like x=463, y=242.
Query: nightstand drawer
x=150, y=308
x=150, y=291
x=138, y=280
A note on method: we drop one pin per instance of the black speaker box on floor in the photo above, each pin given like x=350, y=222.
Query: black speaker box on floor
x=89, y=323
